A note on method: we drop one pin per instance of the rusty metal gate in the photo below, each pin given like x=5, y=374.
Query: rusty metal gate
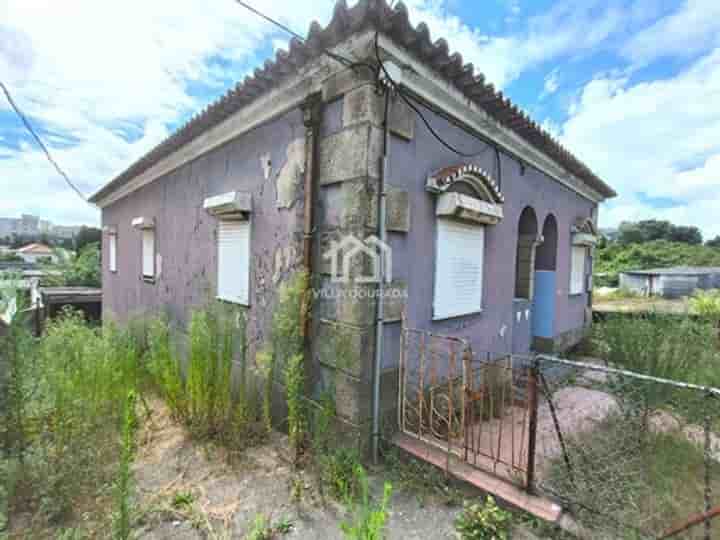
x=479, y=408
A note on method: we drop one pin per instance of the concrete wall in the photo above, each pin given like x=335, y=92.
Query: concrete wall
x=267, y=162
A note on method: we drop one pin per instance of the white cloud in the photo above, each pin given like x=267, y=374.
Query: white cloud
x=568, y=28
x=692, y=29
x=641, y=137
x=552, y=83
x=85, y=69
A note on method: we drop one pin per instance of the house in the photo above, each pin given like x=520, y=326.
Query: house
x=494, y=245
x=670, y=282
x=33, y=253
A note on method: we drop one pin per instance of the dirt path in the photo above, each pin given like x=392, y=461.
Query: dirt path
x=188, y=491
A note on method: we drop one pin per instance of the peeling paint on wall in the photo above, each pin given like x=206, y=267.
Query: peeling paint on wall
x=266, y=165
x=291, y=173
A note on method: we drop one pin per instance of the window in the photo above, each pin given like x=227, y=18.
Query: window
x=459, y=268
x=577, y=269
x=233, y=277
x=112, y=252
x=148, y=253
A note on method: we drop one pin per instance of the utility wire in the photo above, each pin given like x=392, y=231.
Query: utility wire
x=38, y=140
x=407, y=99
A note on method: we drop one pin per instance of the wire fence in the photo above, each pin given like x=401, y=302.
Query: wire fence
x=630, y=456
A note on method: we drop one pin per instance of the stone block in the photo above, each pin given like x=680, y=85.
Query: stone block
x=361, y=105
x=343, y=81
x=395, y=300
x=344, y=155
x=345, y=347
x=397, y=207
x=402, y=120
x=353, y=398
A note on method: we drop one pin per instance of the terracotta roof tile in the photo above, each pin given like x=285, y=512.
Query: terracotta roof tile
x=345, y=22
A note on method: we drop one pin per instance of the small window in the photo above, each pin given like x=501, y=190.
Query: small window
x=148, y=253
x=458, y=268
x=112, y=252
x=233, y=277
x=577, y=270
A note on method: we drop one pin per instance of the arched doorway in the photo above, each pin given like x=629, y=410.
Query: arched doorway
x=524, y=281
x=543, y=326
x=524, y=259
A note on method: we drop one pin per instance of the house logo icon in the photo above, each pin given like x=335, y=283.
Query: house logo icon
x=342, y=253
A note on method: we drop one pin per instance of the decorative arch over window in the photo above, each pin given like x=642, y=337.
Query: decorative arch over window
x=468, y=193
x=584, y=237
x=468, y=200
x=584, y=232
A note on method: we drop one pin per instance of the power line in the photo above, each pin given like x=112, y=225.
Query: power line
x=409, y=103
x=38, y=140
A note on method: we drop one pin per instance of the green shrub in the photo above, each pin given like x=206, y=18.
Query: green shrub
x=706, y=304
x=209, y=367
x=165, y=368
x=339, y=473
x=484, y=521
x=295, y=388
x=77, y=379
x=286, y=347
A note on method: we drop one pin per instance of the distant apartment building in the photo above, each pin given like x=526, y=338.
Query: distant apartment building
x=28, y=225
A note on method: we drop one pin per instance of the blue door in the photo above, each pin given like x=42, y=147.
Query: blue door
x=543, y=320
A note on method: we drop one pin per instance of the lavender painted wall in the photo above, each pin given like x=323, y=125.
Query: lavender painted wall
x=413, y=253
x=186, y=233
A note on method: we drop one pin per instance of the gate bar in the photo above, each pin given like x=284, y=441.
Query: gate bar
x=532, y=425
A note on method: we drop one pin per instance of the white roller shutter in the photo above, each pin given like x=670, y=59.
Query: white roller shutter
x=234, y=261
x=458, y=268
x=148, y=253
x=577, y=270
x=112, y=255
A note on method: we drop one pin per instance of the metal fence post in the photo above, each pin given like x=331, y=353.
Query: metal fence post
x=532, y=424
x=707, y=462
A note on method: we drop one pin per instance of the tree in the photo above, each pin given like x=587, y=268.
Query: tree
x=715, y=242
x=81, y=270
x=650, y=230
x=616, y=258
x=686, y=234
x=87, y=235
x=629, y=233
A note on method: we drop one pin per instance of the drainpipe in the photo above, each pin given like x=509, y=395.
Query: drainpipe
x=380, y=305
x=311, y=120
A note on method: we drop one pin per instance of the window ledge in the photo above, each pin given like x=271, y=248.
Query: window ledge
x=148, y=279
x=456, y=315
x=232, y=301
x=576, y=293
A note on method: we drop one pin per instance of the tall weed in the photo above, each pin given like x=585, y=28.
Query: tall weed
x=369, y=518
x=123, y=482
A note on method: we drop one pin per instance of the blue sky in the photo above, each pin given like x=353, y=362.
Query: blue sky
x=632, y=87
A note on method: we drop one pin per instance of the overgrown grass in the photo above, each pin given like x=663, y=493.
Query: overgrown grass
x=63, y=437
x=199, y=389
x=665, y=346
x=652, y=488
